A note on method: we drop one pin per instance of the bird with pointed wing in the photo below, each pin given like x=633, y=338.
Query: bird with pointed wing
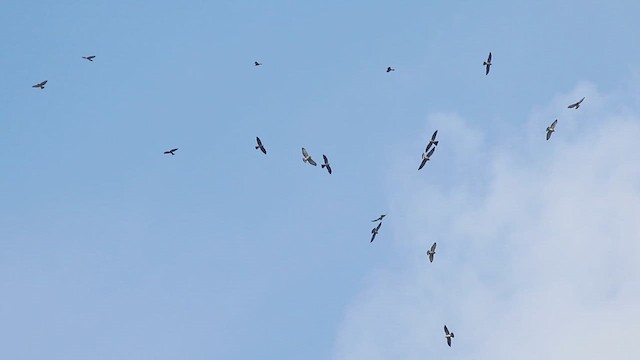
x=380, y=218
x=487, y=64
x=307, y=158
x=551, y=128
x=326, y=164
x=172, y=151
x=448, y=335
x=431, y=252
x=90, y=57
x=576, y=105
x=40, y=84
x=255, y=63
x=260, y=146
x=374, y=231
x=390, y=69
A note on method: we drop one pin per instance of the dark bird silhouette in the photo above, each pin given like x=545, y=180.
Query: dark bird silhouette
x=374, y=231
x=487, y=64
x=426, y=157
x=257, y=63
x=432, y=141
x=40, y=85
x=260, y=146
x=380, y=218
x=307, y=158
x=448, y=335
x=172, y=151
x=576, y=105
x=326, y=164
x=551, y=128
x=389, y=69
x=90, y=58
x=431, y=252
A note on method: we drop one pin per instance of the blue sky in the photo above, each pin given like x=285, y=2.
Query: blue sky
x=111, y=250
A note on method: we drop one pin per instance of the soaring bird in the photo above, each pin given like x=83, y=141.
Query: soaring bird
x=390, y=69
x=260, y=146
x=426, y=157
x=40, y=85
x=431, y=252
x=551, y=128
x=90, y=58
x=257, y=63
x=374, y=231
x=432, y=141
x=448, y=335
x=307, y=158
x=487, y=63
x=576, y=105
x=380, y=218
x=172, y=151
x=326, y=164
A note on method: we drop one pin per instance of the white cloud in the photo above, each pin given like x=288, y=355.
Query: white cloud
x=538, y=244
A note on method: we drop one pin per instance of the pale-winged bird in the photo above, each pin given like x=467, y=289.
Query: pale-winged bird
x=307, y=158
x=487, y=64
x=431, y=252
x=551, y=128
x=576, y=105
x=40, y=85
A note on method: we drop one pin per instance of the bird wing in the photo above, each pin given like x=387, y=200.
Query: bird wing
x=553, y=125
x=172, y=150
x=378, y=227
x=433, y=247
x=326, y=161
x=487, y=71
x=44, y=82
x=489, y=58
x=329, y=169
x=264, y=151
x=548, y=134
x=424, y=161
x=446, y=331
x=305, y=153
x=373, y=237
x=572, y=105
x=449, y=341
x=581, y=100
x=431, y=152
x=259, y=142
x=310, y=160
x=433, y=137
x=430, y=257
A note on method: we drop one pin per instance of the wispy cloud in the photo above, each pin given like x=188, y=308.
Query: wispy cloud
x=538, y=243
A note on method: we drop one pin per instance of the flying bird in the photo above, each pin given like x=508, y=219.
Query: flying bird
x=40, y=85
x=389, y=69
x=374, y=231
x=380, y=218
x=426, y=157
x=326, y=164
x=576, y=105
x=551, y=128
x=432, y=141
x=307, y=158
x=257, y=63
x=431, y=252
x=487, y=63
x=172, y=151
x=90, y=58
x=260, y=146
x=448, y=335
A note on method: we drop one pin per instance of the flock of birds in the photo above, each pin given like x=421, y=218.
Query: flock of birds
x=426, y=156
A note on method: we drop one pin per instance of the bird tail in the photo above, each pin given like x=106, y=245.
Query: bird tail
x=257, y=146
x=484, y=63
x=452, y=335
x=323, y=166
